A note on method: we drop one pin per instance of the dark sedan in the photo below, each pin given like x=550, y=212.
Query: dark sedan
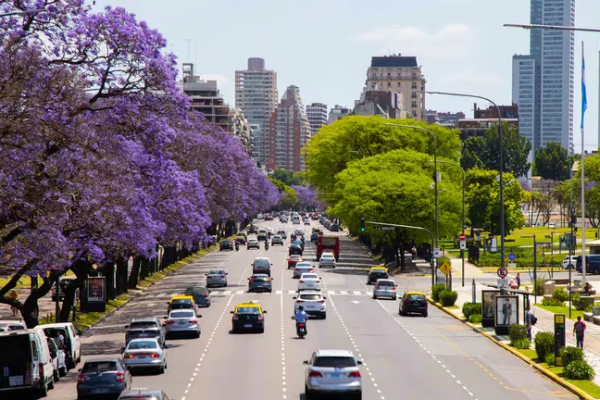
x=376, y=274
x=413, y=302
x=103, y=377
x=295, y=249
x=248, y=317
x=260, y=283
x=200, y=294
x=226, y=245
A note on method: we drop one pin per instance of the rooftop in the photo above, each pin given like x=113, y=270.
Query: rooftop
x=394, y=61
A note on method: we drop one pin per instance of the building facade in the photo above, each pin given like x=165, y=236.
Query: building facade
x=485, y=118
x=338, y=112
x=386, y=104
x=317, y=116
x=256, y=95
x=400, y=74
x=523, y=94
x=289, y=130
x=241, y=129
x=447, y=119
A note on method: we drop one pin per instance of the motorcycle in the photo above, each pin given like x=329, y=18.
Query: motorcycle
x=266, y=245
x=301, y=330
x=237, y=247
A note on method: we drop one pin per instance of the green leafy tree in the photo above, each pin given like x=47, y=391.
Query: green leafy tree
x=483, y=197
x=515, y=150
x=471, y=149
x=288, y=177
x=356, y=137
x=552, y=162
x=287, y=195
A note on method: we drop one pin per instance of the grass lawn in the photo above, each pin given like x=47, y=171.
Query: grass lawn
x=563, y=310
x=588, y=387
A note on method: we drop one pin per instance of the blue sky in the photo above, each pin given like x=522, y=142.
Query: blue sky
x=325, y=46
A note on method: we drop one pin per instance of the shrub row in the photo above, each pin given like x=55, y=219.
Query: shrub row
x=575, y=367
x=471, y=309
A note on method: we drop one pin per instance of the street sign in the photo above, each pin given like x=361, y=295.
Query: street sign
x=512, y=265
x=446, y=268
x=462, y=238
x=385, y=228
x=463, y=245
x=502, y=272
x=512, y=256
x=436, y=253
x=502, y=283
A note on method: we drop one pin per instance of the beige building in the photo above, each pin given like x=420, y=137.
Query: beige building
x=396, y=73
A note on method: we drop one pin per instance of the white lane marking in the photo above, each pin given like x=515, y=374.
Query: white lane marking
x=240, y=292
x=279, y=292
x=343, y=292
x=356, y=349
x=423, y=347
x=226, y=293
x=291, y=292
x=358, y=292
x=331, y=292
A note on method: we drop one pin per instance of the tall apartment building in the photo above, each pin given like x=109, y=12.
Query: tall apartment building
x=524, y=94
x=552, y=55
x=396, y=73
x=317, y=116
x=386, y=104
x=289, y=130
x=256, y=95
x=338, y=112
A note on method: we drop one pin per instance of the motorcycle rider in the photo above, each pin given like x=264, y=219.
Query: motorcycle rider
x=237, y=246
x=267, y=244
x=301, y=317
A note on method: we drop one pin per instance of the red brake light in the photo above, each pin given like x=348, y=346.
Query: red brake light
x=120, y=376
x=315, y=374
x=193, y=321
x=222, y=276
x=378, y=287
x=170, y=322
x=301, y=281
x=320, y=301
x=393, y=287
x=407, y=301
x=235, y=317
x=318, y=281
x=81, y=378
x=355, y=374
x=299, y=301
x=155, y=355
x=260, y=317
x=129, y=356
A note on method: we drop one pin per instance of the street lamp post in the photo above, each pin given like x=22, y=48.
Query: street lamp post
x=435, y=180
x=10, y=14
x=501, y=161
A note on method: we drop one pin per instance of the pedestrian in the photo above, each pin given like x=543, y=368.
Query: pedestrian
x=530, y=320
x=586, y=288
x=14, y=296
x=518, y=280
x=579, y=331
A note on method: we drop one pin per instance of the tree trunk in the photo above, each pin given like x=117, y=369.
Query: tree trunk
x=135, y=273
x=30, y=310
x=121, y=283
x=81, y=269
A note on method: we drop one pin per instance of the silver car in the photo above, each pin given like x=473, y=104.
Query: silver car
x=385, y=288
x=252, y=244
x=145, y=353
x=327, y=259
x=331, y=372
x=302, y=267
x=182, y=322
x=276, y=239
x=216, y=278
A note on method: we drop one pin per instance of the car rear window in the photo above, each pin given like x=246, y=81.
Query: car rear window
x=99, y=366
x=310, y=276
x=415, y=297
x=260, y=278
x=181, y=301
x=216, y=272
x=182, y=314
x=247, y=310
x=303, y=265
x=386, y=283
x=335, y=362
x=142, y=325
x=310, y=296
x=146, y=344
x=139, y=397
x=197, y=290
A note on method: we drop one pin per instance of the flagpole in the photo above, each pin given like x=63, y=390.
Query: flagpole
x=583, y=108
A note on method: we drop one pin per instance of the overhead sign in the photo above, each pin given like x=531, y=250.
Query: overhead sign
x=502, y=272
x=436, y=253
x=512, y=256
x=446, y=268
x=385, y=228
x=502, y=283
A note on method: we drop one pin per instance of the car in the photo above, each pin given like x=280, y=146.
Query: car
x=259, y=216
x=296, y=220
x=413, y=302
x=226, y=245
x=268, y=217
x=284, y=219
x=201, y=295
x=262, y=235
x=306, y=221
x=276, y=239
x=385, y=288
x=103, y=377
x=252, y=229
x=241, y=240
x=309, y=281
x=314, y=237
x=283, y=234
x=216, y=277
x=298, y=243
x=295, y=249
x=569, y=262
x=261, y=265
x=253, y=244
x=327, y=260
x=332, y=372
x=8, y=325
x=145, y=354
x=182, y=302
x=299, y=232
x=302, y=268
x=145, y=328
x=248, y=316
x=182, y=322
x=71, y=342
x=375, y=273
x=293, y=260
x=260, y=283
x=62, y=284
x=59, y=359
x=315, y=217
x=313, y=303
x=143, y=394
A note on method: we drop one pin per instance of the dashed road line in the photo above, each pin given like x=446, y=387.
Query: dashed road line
x=283, y=377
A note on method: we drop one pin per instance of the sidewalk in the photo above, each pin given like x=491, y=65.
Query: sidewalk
x=545, y=322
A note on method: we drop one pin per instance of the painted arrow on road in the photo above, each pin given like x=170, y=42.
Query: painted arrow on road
x=355, y=301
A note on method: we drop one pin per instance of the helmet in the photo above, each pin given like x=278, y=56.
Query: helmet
x=300, y=308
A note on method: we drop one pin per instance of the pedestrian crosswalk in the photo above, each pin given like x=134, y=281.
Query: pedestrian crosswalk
x=225, y=293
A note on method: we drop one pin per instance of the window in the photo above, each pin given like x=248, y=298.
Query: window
x=335, y=362
x=414, y=85
x=413, y=95
x=414, y=104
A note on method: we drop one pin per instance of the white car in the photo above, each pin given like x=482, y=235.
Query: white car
x=182, y=322
x=145, y=353
x=302, y=268
x=59, y=360
x=569, y=262
x=309, y=281
x=327, y=260
x=313, y=303
x=385, y=288
x=333, y=372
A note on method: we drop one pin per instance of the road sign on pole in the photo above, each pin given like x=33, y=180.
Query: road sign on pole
x=502, y=272
x=436, y=253
x=463, y=242
x=446, y=268
x=512, y=256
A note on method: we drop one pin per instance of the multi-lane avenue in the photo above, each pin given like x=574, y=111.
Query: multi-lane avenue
x=404, y=357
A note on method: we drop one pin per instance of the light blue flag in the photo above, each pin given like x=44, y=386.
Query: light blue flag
x=583, y=90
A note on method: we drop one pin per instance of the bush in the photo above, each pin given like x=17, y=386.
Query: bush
x=561, y=295
x=544, y=344
x=570, y=354
x=551, y=360
x=517, y=332
x=539, y=287
x=576, y=300
x=580, y=370
x=471, y=309
x=475, y=318
x=448, y=298
x=435, y=291
x=524, y=344
x=551, y=302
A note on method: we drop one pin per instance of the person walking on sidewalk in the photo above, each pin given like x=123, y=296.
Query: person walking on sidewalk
x=14, y=296
x=529, y=322
x=579, y=331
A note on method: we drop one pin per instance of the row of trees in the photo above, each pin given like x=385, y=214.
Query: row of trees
x=363, y=167
x=101, y=157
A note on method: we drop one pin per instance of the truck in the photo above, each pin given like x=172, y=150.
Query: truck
x=328, y=243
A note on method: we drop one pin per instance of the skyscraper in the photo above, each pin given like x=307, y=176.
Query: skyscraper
x=289, y=130
x=524, y=94
x=256, y=95
x=317, y=116
x=552, y=55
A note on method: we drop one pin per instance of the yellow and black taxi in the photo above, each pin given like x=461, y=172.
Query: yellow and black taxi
x=378, y=272
x=413, y=303
x=183, y=302
x=226, y=245
x=248, y=317
x=241, y=239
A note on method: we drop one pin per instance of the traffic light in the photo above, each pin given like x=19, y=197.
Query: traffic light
x=362, y=224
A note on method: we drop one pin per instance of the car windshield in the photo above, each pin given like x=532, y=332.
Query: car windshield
x=303, y=265
x=145, y=344
x=310, y=296
x=99, y=366
x=182, y=314
x=327, y=256
x=247, y=310
x=310, y=276
x=335, y=362
x=141, y=325
x=415, y=297
x=386, y=283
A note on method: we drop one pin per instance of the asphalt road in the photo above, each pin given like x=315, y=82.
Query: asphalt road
x=405, y=357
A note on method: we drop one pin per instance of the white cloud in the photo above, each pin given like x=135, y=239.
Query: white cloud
x=223, y=82
x=453, y=41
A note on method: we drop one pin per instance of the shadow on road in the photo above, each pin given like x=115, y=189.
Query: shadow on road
x=102, y=347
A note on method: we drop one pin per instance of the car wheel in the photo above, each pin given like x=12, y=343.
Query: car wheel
x=43, y=391
x=62, y=371
x=56, y=376
x=425, y=314
x=324, y=316
x=198, y=335
x=596, y=271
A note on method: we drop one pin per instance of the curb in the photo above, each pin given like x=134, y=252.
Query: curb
x=573, y=389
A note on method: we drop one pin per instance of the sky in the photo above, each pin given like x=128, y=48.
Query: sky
x=325, y=47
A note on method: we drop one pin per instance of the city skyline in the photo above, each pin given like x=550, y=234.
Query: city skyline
x=472, y=54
